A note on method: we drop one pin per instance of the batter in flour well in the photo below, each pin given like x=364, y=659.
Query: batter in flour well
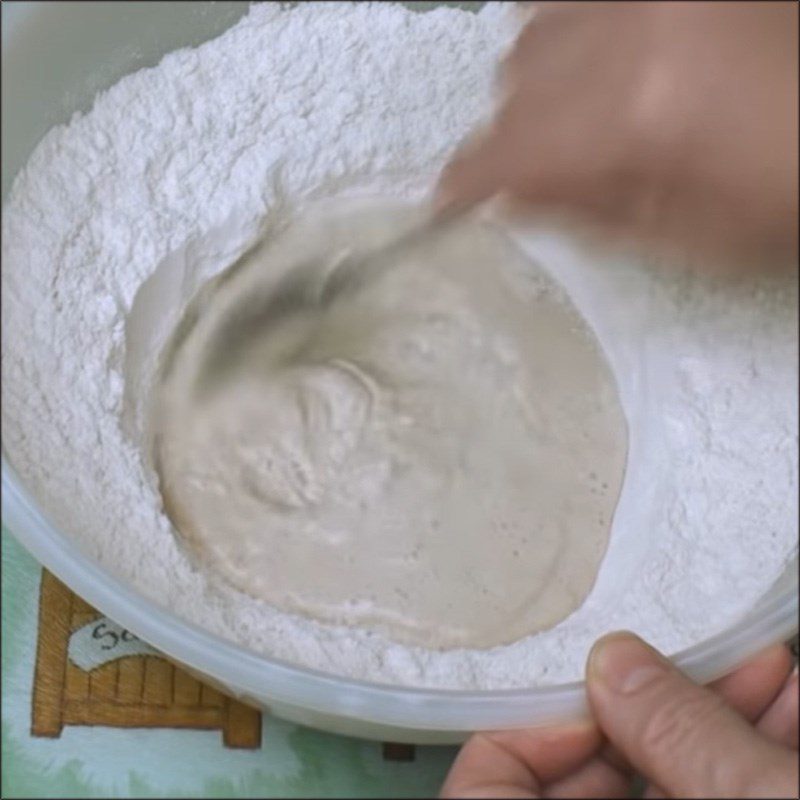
x=438, y=455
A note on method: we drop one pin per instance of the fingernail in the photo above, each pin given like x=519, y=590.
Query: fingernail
x=624, y=664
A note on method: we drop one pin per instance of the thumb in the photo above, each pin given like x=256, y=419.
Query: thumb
x=680, y=736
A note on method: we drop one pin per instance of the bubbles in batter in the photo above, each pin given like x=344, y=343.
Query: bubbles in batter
x=437, y=456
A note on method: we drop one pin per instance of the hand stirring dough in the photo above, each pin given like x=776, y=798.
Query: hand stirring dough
x=438, y=455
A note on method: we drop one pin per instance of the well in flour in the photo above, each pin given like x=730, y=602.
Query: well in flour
x=436, y=455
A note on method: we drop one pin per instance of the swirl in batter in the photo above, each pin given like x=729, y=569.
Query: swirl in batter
x=437, y=456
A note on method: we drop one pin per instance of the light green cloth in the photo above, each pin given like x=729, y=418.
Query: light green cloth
x=117, y=762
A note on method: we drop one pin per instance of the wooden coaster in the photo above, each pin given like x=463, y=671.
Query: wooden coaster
x=137, y=691
x=394, y=751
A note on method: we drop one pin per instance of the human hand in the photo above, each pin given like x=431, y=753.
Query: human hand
x=673, y=123
x=737, y=738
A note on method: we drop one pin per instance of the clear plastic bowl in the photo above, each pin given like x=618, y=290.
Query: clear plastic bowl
x=56, y=56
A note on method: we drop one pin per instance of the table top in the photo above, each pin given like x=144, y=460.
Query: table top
x=88, y=711
x=76, y=725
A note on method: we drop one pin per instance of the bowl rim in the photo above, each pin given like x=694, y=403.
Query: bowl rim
x=267, y=679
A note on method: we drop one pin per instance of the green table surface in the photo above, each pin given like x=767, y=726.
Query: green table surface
x=96, y=761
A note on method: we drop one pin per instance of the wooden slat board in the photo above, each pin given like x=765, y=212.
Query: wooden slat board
x=77, y=684
x=103, y=682
x=210, y=697
x=135, y=691
x=51, y=658
x=131, y=680
x=187, y=689
x=157, y=682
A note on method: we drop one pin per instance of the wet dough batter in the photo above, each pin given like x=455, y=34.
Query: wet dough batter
x=438, y=456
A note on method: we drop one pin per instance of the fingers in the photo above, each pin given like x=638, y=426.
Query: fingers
x=566, y=762
x=660, y=719
x=595, y=778
x=749, y=691
x=518, y=763
x=780, y=720
x=536, y=148
x=479, y=170
x=752, y=688
x=512, y=158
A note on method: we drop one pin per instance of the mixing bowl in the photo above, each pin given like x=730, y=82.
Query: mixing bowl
x=56, y=56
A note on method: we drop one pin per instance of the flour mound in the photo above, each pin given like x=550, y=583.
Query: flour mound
x=325, y=100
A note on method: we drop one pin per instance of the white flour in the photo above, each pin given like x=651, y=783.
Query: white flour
x=322, y=100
